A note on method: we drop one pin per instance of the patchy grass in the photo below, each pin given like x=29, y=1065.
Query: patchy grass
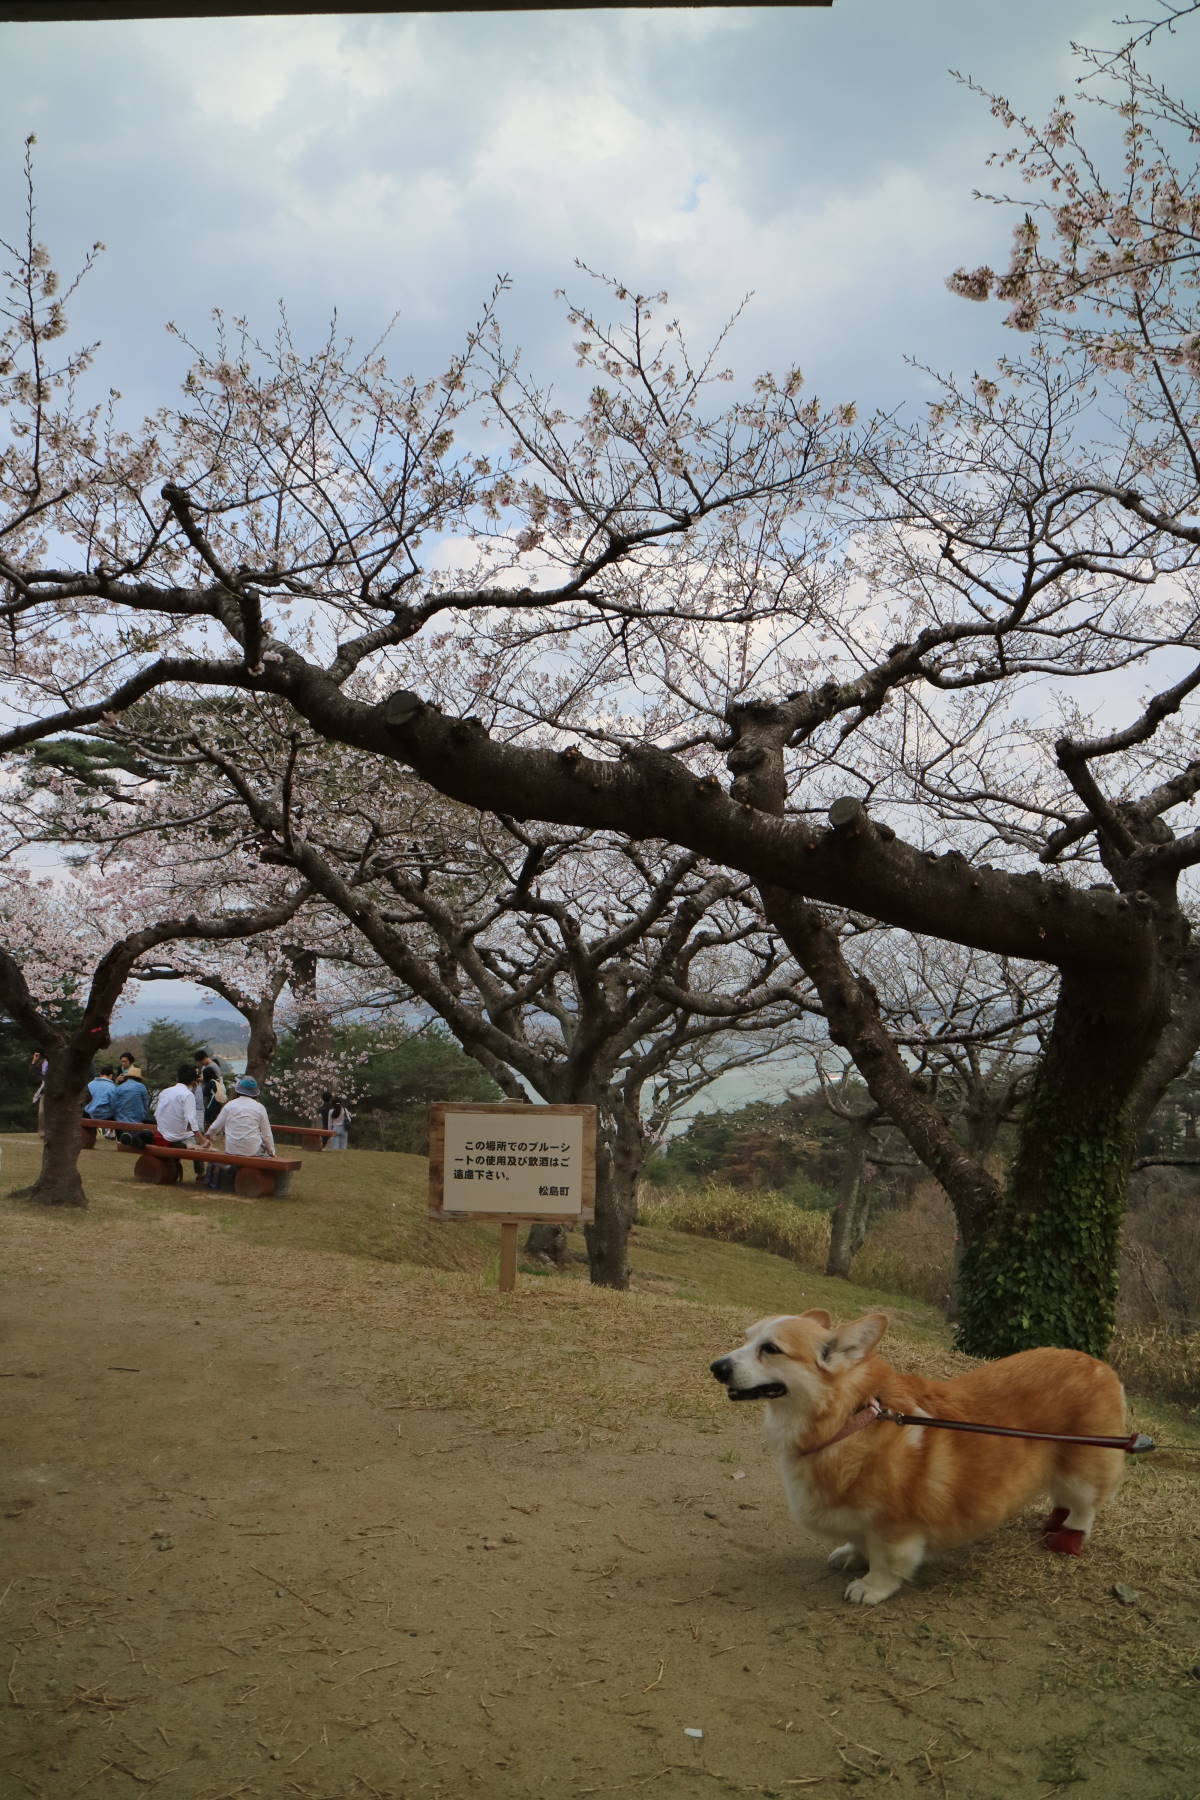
x=560, y=1400
x=368, y=1203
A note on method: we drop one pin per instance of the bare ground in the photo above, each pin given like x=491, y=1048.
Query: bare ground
x=288, y=1523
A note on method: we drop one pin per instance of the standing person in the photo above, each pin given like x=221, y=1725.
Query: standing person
x=212, y=1088
x=40, y=1065
x=339, y=1123
x=176, y=1118
x=102, y=1090
x=245, y=1126
x=326, y=1103
x=128, y=1068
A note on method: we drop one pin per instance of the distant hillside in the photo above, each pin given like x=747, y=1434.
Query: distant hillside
x=210, y=1024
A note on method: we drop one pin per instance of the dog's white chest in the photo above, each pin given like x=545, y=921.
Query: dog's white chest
x=808, y=1508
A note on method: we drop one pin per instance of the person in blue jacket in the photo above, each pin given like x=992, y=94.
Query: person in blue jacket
x=132, y=1107
x=103, y=1092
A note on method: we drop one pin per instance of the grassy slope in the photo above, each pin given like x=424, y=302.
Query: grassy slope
x=371, y=1204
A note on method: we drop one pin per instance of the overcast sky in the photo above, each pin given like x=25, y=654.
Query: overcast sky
x=394, y=164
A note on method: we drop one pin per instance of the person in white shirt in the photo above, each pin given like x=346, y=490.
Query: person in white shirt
x=244, y=1121
x=175, y=1114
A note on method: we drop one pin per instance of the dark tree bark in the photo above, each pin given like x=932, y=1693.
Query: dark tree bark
x=263, y=1041
x=1043, y=1267
x=620, y=1157
x=548, y=1243
x=314, y=1032
x=58, y=1182
x=852, y=1213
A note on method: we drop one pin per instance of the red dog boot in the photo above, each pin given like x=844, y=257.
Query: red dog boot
x=1057, y=1519
x=1067, y=1543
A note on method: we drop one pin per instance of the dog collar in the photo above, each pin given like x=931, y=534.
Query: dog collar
x=866, y=1415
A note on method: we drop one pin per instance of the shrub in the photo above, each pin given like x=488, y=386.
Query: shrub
x=766, y=1221
x=1161, y=1362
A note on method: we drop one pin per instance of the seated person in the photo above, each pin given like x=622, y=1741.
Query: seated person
x=103, y=1092
x=246, y=1128
x=175, y=1115
x=131, y=1106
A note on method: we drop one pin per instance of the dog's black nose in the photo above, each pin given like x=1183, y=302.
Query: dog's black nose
x=722, y=1368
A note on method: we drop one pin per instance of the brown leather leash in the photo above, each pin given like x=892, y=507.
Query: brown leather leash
x=1136, y=1444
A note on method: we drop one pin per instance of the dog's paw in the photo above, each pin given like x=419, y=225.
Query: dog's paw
x=1067, y=1543
x=847, y=1556
x=869, y=1590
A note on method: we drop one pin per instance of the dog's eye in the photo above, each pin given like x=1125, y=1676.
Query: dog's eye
x=769, y=1350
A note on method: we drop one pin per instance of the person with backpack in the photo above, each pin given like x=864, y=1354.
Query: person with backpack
x=212, y=1088
x=246, y=1129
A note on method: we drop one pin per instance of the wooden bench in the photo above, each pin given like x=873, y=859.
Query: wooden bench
x=91, y=1128
x=306, y=1134
x=258, y=1177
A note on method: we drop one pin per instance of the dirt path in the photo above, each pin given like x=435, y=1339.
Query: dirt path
x=287, y=1524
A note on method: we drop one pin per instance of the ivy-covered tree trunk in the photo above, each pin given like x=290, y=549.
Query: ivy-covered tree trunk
x=1042, y=1268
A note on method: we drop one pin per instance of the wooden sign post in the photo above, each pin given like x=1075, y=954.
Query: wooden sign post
x=513, y=1164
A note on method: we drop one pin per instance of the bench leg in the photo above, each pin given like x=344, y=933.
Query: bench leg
x=283, y=1184
x=159, y=1169
x=254, y=1184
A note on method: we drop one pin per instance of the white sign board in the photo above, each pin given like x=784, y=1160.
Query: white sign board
x=512, y=1162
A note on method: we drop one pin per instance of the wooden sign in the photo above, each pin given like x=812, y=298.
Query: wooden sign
x=512, y=1163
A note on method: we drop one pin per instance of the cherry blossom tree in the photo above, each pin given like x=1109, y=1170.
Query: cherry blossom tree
x=949, y=667
x=104, y=806
x=571, y=966
x=70, y=946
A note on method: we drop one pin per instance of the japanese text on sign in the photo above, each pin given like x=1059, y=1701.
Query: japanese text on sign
x=524, y=1161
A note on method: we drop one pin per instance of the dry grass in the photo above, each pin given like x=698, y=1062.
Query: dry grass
x=1160, y=1362
x=908, y=1258
x=764, y=1220
x=608, y=1369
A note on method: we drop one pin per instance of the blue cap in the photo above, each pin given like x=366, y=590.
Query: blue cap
x=245, y=1084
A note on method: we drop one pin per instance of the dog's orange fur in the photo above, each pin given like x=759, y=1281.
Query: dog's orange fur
x=894, y=1491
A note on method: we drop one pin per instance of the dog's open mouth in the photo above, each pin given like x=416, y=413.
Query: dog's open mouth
x=766, y=1390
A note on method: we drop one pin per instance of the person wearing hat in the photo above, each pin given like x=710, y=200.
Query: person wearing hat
x=244, y=1122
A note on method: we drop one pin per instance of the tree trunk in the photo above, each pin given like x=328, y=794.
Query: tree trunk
x=1042, y=1270
x=548, y=1243
x=618, y=1167
x=58, y=1182
x=314, y=1031
x=262, y=1042
x=982, y=1118
x=852, y=1214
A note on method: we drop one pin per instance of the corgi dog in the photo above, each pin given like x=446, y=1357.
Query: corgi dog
x=886, y=1493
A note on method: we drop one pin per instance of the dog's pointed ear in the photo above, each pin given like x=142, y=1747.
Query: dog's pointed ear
x=854, y=1342
x=818, y=1313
